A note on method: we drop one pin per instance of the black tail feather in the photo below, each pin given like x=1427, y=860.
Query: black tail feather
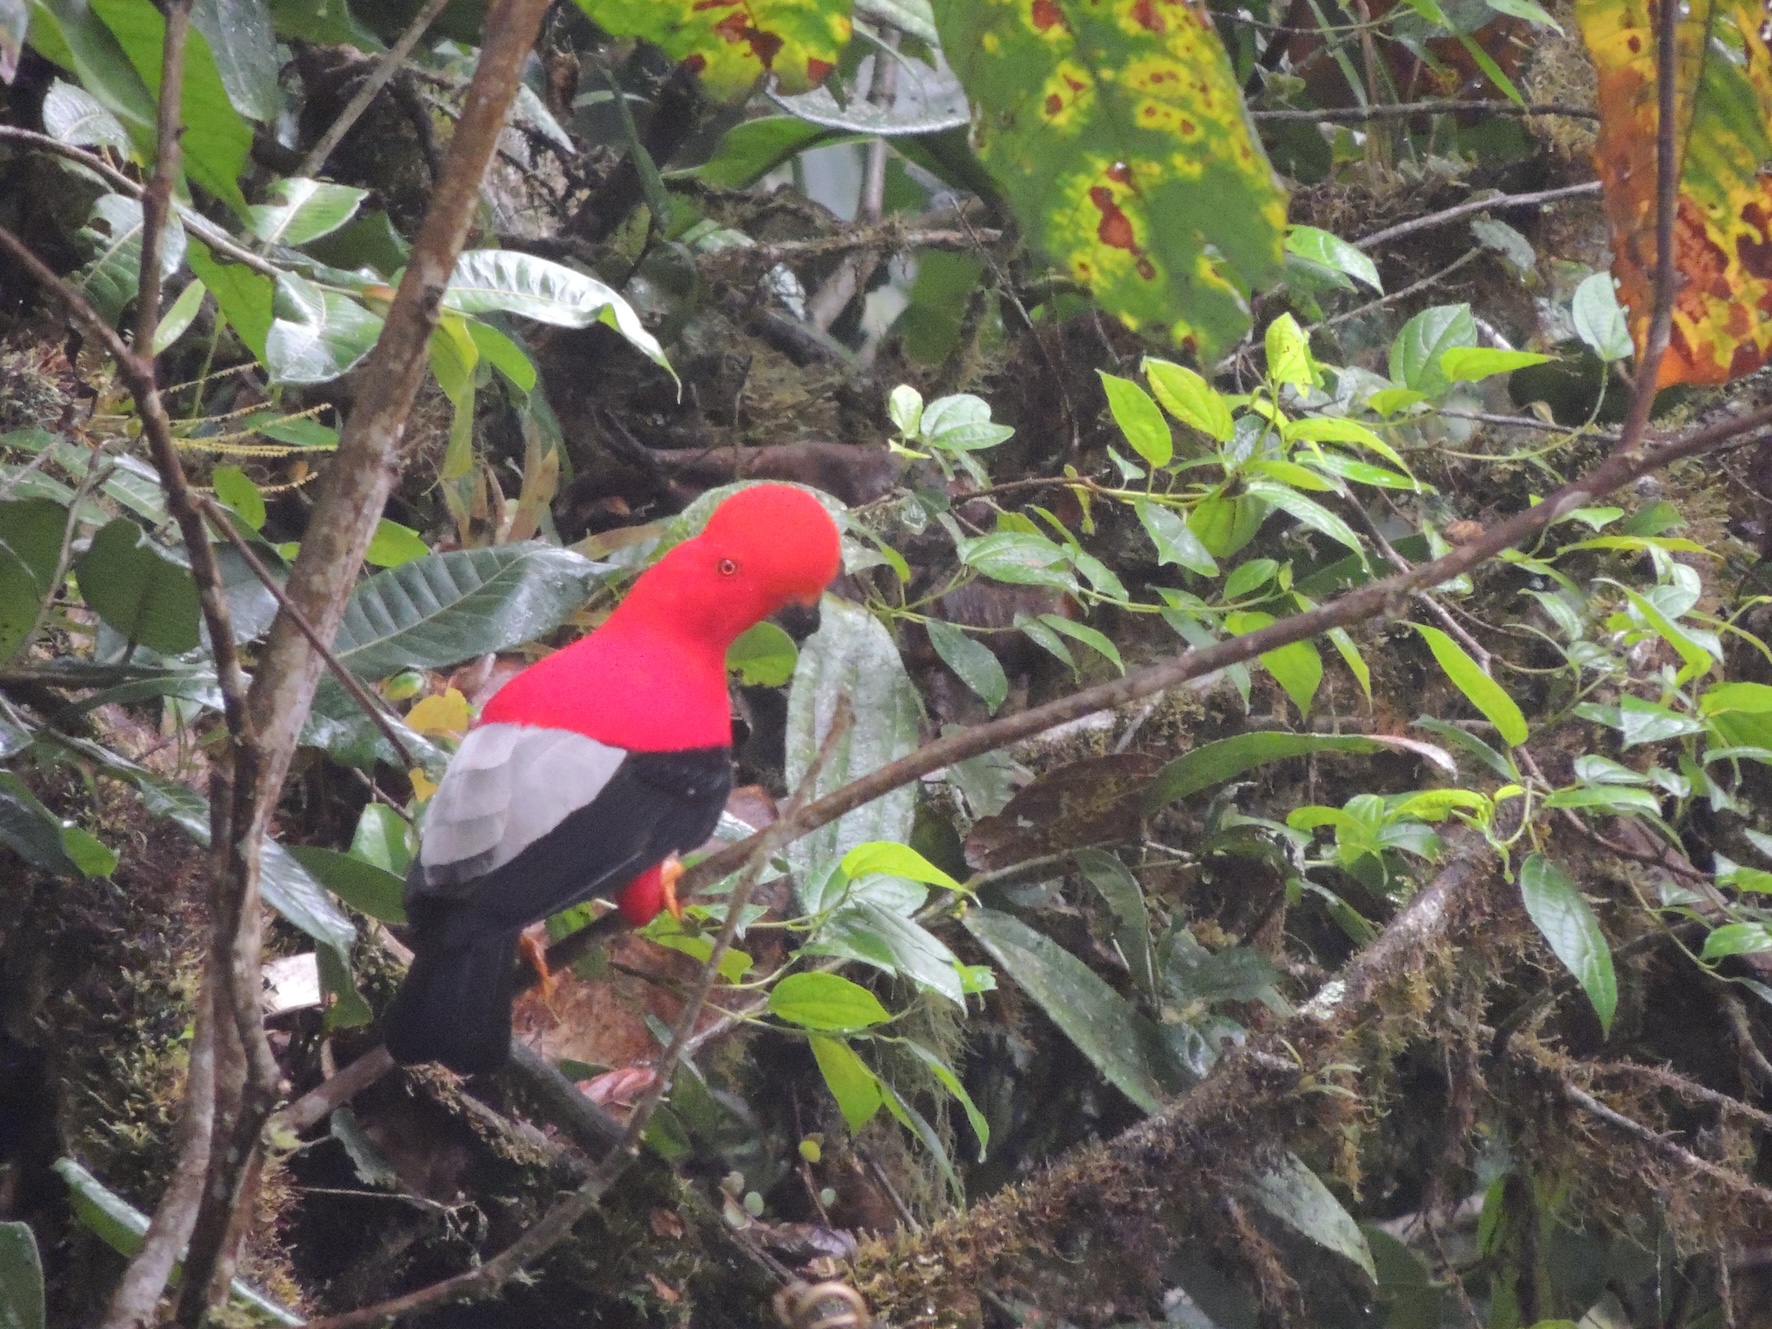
x=455, y=1007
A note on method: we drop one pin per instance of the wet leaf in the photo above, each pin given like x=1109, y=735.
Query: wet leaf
x=1417, y=351
x=1722, y=324
x=1567, y=923
x=1297, y=1197
x=302, y=210
x=317, y=333
x=1117, y=131
x=138, y=589
x=365, y=887
x=733, y=43
x=1480, y=690
x=826, y=1002
x=971, y=660
x=511, y=282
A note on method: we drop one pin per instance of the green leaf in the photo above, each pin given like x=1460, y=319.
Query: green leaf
x=1468, y=364
x=74, y=116
x=971, y=660
x=1351, y=657
x=753, y=148
x=179, y=315
x=317, y=335
x=113, y=237
x=1297, y=1197
x=1098, y=642
x=981, y=1128
x=1567, y=923
x=138, y=590
x=69, y=33
x=852, y=1084
x=1289, y=353
x=121, y=1227
x=87, y=852
x=301, y=210
x=1114, y=881
x=1225, y=524
x=1724, y=698
x=1226, y=758
x=1306, y=511
x=1124, y=150
x=1249, y=577
x=764, y=656
x=1017, y=557
x=1483, y=692
x=1189, y=398
x=1139, y=419
x=380, y=840
x=31, y=533
x=798, y=41
x=1526, y=9
x=21, y=1279
x=1416, y=353
x=1598, y=319
x=825, y=1002
x=1642, y=721
x=886, y=859
x=853, y=657
x=215, y=139
x=245, y=52
x=31, y=830
x=394, y=544
x=365, y=887
x=1334, y=253
x=1737, y=939
x=245, y=298
x=905, y=408
x=235, y=489
x=1123, y=1045
x=448, y=607
x=503, y=354
x=1296, y=667
x=505, y=280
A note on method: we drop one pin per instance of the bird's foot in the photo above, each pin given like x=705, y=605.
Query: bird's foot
x=669, y=872
x=534, y=950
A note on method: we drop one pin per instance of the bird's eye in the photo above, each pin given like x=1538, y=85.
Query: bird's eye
x=727, y=567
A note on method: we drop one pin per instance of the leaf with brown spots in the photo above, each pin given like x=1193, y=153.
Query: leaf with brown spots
x=733, y=43
x=1118, y=132
x=1722, y=324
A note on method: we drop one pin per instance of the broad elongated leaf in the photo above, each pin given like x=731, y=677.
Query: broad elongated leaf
x=852, y=657
x=21, y=1279
x=362, y=885
x=733, y=43
x=1722, y=324
x=1416, y=353
x=70, y=34
x=1484, y=693
x=245, y=52
x=928, y=102
x=826, y=1002
x=1132, y=919
x=31, y=532
x=971, y=660
x=137, y=589
x=31, y=830
x=302, y=210
x=215, y=138
x=73, y=115
x=1117, y=131
x=1297, y=1197
x=852, y=1084
x=246, y=298
x=447, y=607
x=1123, y=1045
x=1226, y=758
x=1567, y=923
x=488, y=280
x=318, y=333
x=753, y=148
x=113, y=236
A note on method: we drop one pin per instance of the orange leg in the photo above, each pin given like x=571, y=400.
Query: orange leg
x=536, y=952
x=669, y=872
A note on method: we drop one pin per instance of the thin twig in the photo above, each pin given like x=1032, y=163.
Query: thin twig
x=365, y=699
x=1414, y=288
x=1495, y=203
x=385, y=69
x=1757, y=1062
x=1405, y=110
x=1685, y=1158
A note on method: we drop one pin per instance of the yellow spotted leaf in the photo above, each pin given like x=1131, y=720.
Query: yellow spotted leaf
x=1118, y=132
x=448, y=714
x=1722, y=325
x=734, y=43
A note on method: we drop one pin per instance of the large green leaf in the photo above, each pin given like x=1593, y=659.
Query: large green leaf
x=246, y=297
x=21, y=1279
x=507, y=281
x=245, y=52
x=449, y=607
x=318, y=333
x=1484, y=693
x=69, y=34
x=733, y=43
x=852, y=657
x=1297, y=1197
x=975, y=664
x=1567, y=923
x=214, y=137
x=1117, y=130
x=31, y=830
x=1226, y=758
x=113, y=236
x=31, y=532
x=1123, y=1045
x=852, y=1084
x=1415, y=354
x=303, y=210
x=74, y=116
x=829, y=1003
x=133, y=585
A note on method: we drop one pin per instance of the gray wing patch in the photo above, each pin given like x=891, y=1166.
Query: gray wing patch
x=507, y=786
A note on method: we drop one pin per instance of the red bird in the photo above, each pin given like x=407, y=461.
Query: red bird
x=590, y=768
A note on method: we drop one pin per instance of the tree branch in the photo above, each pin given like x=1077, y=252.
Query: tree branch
x=385, y=69
x=1496, y=203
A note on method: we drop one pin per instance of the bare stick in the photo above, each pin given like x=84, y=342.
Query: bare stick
x=350, y=682
x=1499, y=203
x=1405, y=110
x=385, y=69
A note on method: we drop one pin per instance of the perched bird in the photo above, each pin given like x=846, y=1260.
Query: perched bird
x=589, y=769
